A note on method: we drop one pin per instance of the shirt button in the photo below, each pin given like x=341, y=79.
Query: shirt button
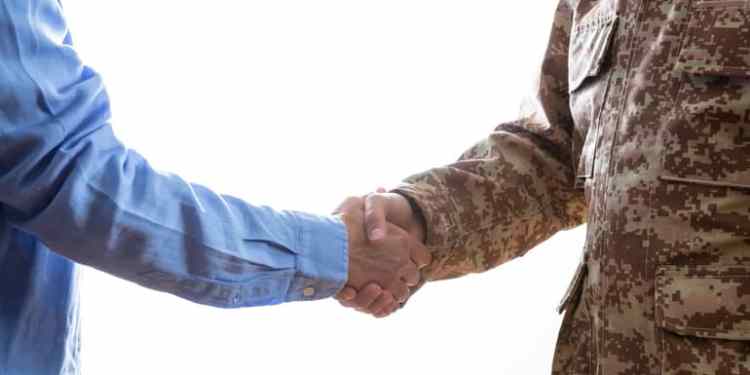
x=308, y=292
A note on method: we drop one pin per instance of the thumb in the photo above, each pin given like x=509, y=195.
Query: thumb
x=375, y=222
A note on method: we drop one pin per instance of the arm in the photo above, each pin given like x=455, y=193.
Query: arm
x=513, y=190
x=502, y=197
x=65, y=178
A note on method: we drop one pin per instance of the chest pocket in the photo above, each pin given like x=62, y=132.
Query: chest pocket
x=708, y=140
x=588, y=83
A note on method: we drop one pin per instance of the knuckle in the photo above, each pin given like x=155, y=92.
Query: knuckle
x=374, y=199
x=375, y=289
x=388, y=299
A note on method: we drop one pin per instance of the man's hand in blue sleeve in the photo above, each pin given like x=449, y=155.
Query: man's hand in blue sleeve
x=69, y=182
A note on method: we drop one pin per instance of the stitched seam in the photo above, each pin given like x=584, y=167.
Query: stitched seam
x=701, y=329
x=607, y=177
x=721, y=4
x=713, y=69
x=596, y=23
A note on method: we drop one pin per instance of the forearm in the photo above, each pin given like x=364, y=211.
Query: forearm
x=512, y=190
x=175, y=237
x=482, y=212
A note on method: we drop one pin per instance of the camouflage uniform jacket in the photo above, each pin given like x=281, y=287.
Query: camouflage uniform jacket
x=640, y=127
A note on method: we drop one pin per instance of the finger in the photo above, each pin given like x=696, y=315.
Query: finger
x=388, y=310
x=375, y=223
x=367, y=296
x=399, y=290
x=419, y=254
x=346, y=294
x=410, y=275
x=386, y=299
x=349, y=303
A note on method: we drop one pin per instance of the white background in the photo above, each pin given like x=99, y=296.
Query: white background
x=298, y=104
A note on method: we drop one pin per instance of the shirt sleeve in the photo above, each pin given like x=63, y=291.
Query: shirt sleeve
x=512, y=190
x=65, y=178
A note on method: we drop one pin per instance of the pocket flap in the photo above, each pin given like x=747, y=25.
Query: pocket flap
x=589, y=43
x=711, y=302
x=717, y=42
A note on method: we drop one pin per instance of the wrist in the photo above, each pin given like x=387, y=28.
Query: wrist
x=417, y=225
x=352, y=237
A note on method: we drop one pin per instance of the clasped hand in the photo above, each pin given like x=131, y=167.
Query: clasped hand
x=386, y=252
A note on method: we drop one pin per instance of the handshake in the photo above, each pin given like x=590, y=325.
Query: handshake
x=386, y=252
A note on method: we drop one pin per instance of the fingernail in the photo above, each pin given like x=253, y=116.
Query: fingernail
x=377, y=234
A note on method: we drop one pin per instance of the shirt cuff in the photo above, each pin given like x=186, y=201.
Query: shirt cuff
x=437, y=209
x=322, y=263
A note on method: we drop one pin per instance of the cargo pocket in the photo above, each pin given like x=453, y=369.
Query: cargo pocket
x=588, y=82
x=708, y=139
x=703, y=314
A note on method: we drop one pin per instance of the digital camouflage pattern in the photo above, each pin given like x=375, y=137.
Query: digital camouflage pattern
x=641, y=128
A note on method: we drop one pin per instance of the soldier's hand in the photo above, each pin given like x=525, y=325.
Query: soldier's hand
x=382, y=208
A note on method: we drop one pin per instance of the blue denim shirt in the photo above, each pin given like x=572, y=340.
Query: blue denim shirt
x=71, y=192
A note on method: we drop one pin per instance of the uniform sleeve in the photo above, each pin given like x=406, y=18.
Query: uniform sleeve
x=511, y=191
x=65, y=178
